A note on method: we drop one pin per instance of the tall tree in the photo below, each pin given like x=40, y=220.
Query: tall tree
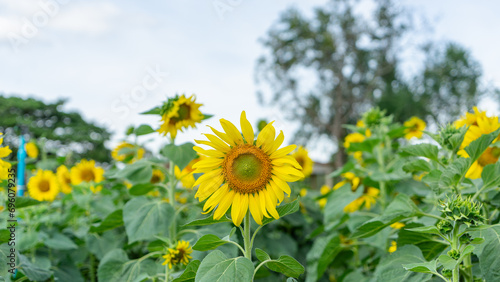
x=62, y=132
x=326, y=70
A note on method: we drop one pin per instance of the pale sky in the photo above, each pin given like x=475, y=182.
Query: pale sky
x=101, y=55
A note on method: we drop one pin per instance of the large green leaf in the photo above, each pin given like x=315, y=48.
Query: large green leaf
x=390, y=268
x=32, y=271
x=217, y=267
x=425, y=238
x=22, y=202
x=143, y=129
x=60, y=242
x=322, y=253
x=208, y=242
x=116, y=267
x=423, y=150
x=68, y=272
x=189, y=273
x=334, y=208
x=489, y=260
x=423, y=267
x=286, y=265
x=365, y=146
x=454, y=172
x=417, y=166
x=139, y=172
x=145, y=218
x=113, y=220
x=181, y=155
x=491, y=176
x=400, y=208
x=478, y=146
x=141, y=189
x=207, y=221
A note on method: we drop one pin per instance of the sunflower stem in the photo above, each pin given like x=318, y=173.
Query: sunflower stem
x=171, y=193
x=167, y=274
x=246, y=237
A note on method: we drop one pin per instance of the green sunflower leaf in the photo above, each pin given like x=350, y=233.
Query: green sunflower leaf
x=478, y=146
x=423, y=150
x=207, y=221
x=113, y=220
x=190, y=273
x=181, y=155
x=141, y=189
x=417, y=166
x=32, y=271
x=489, y=260
x=143, y=129
x=116, y=267
x=283, y=210
x=217, y=267
x=286, y=265
x=390, y=268
x=139, y=172
x=153, y=111
x=261, y=255
x=423, y=267
x=208, y=242
x=22, y=202
x=491, y=176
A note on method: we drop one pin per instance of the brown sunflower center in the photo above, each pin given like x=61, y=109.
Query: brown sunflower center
x=247, y=169
x=300, y=160
x=155, y=179
x=44, y=185
x=87, y=175
x=490, y=156
x=184, y=111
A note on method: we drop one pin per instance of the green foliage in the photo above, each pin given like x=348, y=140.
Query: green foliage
x=217, y=267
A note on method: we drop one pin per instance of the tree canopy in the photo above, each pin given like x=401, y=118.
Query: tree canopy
x=325, y=70
x=59, y=131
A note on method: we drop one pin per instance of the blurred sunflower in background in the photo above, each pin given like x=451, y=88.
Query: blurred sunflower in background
x=323, y=191
x=479, y=124
x=244, y=172
x=301, y=155
x=357, y=137
x=87, y=172
x=64, y=178
x=43, y=186
x=157, y=177
x=414, y=128
x=126, y=152
x=4, y=166
x=180, y=254
x=368, y=199
x=185, y=176
x=31, y=150
x=179, y=113
x=350, y=178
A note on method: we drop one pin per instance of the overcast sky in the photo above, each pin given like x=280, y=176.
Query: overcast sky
x=102, y=54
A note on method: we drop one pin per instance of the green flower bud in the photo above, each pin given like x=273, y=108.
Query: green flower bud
x=447, y=273
x=444, y=226
x=449, y=136
x=129, y=130
x=375, y=117
x=464, y=211
x=465, y=239
x=261, y=124
x=454, y=254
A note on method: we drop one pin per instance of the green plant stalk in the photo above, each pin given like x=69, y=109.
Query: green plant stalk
x=246, y=237
x=92, y=268
x=468, y=268
x=167, y=272
x=455, y=246
x=171, y=193
x=383, y=192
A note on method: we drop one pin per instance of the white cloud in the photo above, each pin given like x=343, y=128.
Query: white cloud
x=85, y=17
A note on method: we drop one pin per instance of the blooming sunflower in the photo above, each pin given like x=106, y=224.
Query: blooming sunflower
x=357, y=137
x=397, y=225
x=186, y=174
x=31, y=150
x=368, y=198
x=178, y=113
x=157, y=177
x=245, y=173
x=415, y=127
x=43, y=186
x=393, y=247
x=126, y=152
x=482, y=125
x=349, y=177
x=4, y=166
x=86, y=171
x=471, y=118
x=302, y=157
x=323, y=191
x=64, y=178
x=180, y=254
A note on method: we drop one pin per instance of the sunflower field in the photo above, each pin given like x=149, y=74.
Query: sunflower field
x=238, y=204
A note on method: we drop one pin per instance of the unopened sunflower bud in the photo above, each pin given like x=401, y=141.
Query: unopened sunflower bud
x=447, y=273
x=454, y=254
x=465, y=239
x=444, y=227
x=464, y=211
x=449, y=136
x=375, y=117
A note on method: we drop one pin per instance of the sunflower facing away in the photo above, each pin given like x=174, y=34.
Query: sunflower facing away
x=302, y=157
x=64, y=178
x=126, y=152
x=479, y=125
x=178, y=113
x=4, y=166
x=415, y=127
x=43, y=186
x=180, y=254
x=31, y=150
x=244, y=172
x=86, y=171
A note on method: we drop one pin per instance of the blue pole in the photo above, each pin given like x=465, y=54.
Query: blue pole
x=21, y=167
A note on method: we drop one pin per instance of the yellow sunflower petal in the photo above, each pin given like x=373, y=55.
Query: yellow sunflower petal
x=222, y=135
x=262, y=203
x=224, y=205
x=209, y=153
x=246, y=128
x=283, y=151
x=266, y=136
x=231, y=131
x=271, y=205
x=254, y=206
x=277, y=143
